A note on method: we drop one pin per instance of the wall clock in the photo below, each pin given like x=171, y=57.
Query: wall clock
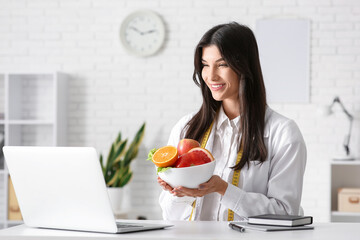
x=142, y=33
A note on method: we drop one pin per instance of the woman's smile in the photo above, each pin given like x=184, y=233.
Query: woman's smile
x=216, y=87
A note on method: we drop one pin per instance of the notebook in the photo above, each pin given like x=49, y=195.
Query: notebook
x=280, y=220
x=239, y=226
x=64, y=188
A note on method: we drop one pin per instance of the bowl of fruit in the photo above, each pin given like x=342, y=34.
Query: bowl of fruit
x=188, y=165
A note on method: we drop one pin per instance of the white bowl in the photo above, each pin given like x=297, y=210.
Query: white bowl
x=190, y=177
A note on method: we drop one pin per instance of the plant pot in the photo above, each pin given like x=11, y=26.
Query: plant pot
x=116, y=197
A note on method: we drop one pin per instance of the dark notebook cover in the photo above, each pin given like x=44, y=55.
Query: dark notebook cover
x=280, y=220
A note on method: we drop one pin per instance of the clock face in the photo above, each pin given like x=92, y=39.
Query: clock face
x=142, y=33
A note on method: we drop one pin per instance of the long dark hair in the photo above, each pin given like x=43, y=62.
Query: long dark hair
x=238, y=47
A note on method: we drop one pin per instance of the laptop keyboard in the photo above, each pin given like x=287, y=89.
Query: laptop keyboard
x=122, y=225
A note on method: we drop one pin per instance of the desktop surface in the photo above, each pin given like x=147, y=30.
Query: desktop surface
x=192, y=230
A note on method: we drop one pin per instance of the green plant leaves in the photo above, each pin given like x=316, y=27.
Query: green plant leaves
x=119, y=151
x=125, y=179
x=117, y=171
x=134, y=146
x=102, y=164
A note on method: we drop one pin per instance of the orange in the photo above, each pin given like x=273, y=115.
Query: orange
x=165, y=156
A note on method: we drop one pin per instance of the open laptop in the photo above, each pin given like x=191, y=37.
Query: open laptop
x=64, y=188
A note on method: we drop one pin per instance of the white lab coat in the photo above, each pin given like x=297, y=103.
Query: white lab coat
x=275, y=186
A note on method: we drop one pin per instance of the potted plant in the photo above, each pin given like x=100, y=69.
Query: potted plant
x=116, y=170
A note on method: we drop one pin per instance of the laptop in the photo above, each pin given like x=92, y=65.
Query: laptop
x=64, y=188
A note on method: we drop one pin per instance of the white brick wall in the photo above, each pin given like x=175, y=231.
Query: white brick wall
x=111, y=90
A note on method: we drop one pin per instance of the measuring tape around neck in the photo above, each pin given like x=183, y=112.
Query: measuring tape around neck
x=235, y=179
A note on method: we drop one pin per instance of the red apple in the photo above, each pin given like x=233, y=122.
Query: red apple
x=186, y=144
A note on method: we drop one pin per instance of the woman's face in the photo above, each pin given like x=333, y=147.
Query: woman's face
x=222, y=81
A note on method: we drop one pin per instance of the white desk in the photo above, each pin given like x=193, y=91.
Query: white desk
x=194, y=230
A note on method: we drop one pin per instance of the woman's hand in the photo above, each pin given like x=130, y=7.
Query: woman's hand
x=215, y=184
x=167, y=187
x=164, y=185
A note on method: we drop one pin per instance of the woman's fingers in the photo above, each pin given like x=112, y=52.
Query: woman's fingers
x=191, y=192
x=164, y=185
x=177, y=194
x=215, y=184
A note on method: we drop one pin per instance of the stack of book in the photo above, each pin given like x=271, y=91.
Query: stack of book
x=273, y=222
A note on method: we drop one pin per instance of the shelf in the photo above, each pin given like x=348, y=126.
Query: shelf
x=16, y=71
x=2, y=98
x=345, y=216
x=31, y=96
x=15, y=222
x=343, y=174
x=351, y=214
x=31, y=134
x=353, y=162
x=33, y=112
x=31, y=122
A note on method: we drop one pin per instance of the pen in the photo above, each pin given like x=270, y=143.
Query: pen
x=236, y=228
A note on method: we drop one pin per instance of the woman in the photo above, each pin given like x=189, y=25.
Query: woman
x=264, y=149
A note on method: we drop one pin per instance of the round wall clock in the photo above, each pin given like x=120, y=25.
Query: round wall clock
x=142, y=33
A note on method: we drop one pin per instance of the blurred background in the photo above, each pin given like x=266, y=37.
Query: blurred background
x=111, y=90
